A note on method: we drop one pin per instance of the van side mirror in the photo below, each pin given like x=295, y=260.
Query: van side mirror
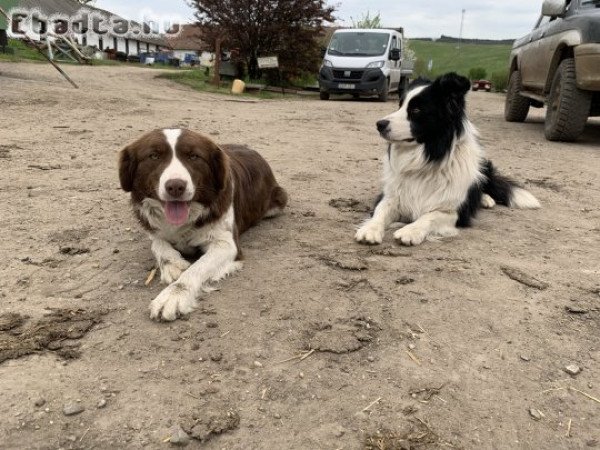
x=323, y=52
x=395, y=54
x=554, y=8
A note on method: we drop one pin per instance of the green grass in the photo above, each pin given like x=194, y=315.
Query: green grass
x=198, y=80
x=20, y=52
x=447, y=58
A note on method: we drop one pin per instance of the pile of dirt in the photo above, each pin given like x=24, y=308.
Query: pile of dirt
x=343, y=336
x=55, y=332
x=418, y=436
x=211, y=424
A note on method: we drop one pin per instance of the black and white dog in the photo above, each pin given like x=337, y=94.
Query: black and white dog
x=436, y=176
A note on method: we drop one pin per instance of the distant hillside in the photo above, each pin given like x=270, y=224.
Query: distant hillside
x=446, y=57
x=467, y=41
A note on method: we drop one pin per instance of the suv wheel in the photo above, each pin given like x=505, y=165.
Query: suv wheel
x=383, y=95
x=568, y=106
x=516, y=107
x=324, y=95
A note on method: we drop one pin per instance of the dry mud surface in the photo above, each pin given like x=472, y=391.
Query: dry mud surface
x=318, y=343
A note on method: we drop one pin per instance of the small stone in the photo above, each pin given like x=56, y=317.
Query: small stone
x=277, y=415
x=412, y=346
x=40, y=402
x=102, y=403
x=72, y=409
x=573, y=369
x=573, y=309
x=179, y=437
x=301, y=374
x=525, y=358
x=216, y=357
x=371, y=358
x=535, y=414
x=195, y=346
x=339, y=431
x=257, y=364
x=212, y=325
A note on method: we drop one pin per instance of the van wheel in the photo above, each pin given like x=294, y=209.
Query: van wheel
x=324, y=95
x=384, y=95
x=568, y=106
x=403, y=86
x=516, y=107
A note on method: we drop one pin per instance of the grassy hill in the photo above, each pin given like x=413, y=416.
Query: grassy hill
x=447, y=58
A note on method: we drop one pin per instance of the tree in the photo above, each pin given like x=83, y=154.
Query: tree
x=367, y=21
x=286, y=28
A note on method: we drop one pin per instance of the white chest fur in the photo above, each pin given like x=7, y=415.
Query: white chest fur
x=188, y=237
x=419, y=186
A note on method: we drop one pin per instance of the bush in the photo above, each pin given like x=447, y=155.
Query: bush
x=477, y=73
x=499, y=81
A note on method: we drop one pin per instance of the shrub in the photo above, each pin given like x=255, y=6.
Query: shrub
x=477, y=73
x=499, y=81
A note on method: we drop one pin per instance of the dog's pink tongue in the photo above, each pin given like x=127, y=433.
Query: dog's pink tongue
x=177, y=213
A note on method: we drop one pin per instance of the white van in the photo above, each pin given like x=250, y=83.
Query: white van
x=364, y=62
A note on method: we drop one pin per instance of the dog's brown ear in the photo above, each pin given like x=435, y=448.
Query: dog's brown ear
x=220, y=168
x=127, y=167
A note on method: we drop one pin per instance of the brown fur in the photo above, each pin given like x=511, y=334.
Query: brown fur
x=222, y=175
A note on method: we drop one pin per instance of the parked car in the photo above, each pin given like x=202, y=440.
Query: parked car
x=483, y=85
x=558, y=65
x=365, y=62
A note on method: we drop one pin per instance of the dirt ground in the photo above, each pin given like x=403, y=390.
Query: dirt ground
x=438, y=346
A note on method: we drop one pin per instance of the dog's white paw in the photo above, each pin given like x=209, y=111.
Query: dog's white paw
x=174, y=301
x=410, y=235
x=171, y=270
x=487, y=202
x=370, y=234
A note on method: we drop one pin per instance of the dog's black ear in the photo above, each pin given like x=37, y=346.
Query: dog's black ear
x=453, y=84
x=127, y=168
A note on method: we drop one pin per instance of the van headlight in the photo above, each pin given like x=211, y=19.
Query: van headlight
x=327, y=63
x=376, y=65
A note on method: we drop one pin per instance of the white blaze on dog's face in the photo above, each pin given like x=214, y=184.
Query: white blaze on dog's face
x=175, y=187
x=432, y=116
x=175, y=167
x=396, y=127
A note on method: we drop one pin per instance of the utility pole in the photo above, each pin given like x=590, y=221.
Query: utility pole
x=462, y=23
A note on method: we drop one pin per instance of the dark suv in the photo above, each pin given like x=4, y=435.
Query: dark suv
x=558, y=65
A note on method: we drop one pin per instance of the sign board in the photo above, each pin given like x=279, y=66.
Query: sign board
x=268, y=62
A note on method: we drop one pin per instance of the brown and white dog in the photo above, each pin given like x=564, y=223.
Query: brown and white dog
x=193, y=197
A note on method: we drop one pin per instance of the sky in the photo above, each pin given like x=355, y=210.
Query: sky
x=484, y=19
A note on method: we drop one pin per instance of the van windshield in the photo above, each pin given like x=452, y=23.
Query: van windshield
x=359, y=44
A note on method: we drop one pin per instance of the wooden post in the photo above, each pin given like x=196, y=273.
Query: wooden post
x=217, y=65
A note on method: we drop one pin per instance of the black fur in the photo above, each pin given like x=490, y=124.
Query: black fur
x=437, y=114
x=472, y=204
x=497, y=186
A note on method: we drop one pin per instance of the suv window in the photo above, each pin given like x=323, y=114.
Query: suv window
x=590, y=4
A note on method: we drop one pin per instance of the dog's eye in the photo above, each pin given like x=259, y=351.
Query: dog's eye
x=193, y=157
x=416, y=111
x=154, y=156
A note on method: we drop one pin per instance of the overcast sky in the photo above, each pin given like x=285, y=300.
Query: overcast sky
x=484, y=19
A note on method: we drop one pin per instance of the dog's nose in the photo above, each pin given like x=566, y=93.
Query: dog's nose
x=382, y=125
x=175, y=188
